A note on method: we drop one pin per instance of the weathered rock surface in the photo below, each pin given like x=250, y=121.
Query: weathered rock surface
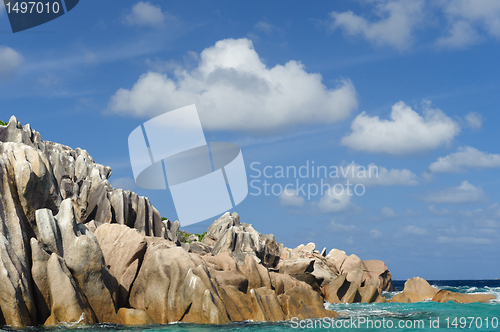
x=227, y=234
x=173, y=285
x=67, y=302
x=445, y=296
x=318, y=272
x=127, y=316
x=303, y=302
x=418, y=289
x=16, y=300
x=82, y=255
x=41, y=284
x=415, y=290
x=376, y=269
x=48, y=173
x=123, y=249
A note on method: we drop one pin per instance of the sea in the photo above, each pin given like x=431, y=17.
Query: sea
x=422, y=316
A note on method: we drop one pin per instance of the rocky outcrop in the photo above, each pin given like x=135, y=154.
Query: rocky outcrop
x=375, y=269
x=173, y=285
x=415, y=290
x=418, y=289
x=306, y=264
x=74, y=250
x=67, y=303
x=342, y=290
x=123, y=249
x=445, y=296
x=227, y=234
x=53, y=172
x=16, y=303
x=81, y=252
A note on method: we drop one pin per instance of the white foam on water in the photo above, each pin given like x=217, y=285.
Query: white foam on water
x=495, y=291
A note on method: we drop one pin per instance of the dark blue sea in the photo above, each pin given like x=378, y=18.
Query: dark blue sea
x=423, y=316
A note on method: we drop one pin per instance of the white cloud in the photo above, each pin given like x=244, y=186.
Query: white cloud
x=374, y=175
x=463, y=194
x=467, y=157
x=125, y=183
x=334, y=201
x=10, y=61
x=144, y=13
x=484, y=218
x=406, y=132
x=340, y=227
x=374, y=233
x=412, y=229
x=388, y=212
x=460, y=35
x=397, y=20
x=474, y=120
x=394, y=22
x=234, y=90
x=467, y=18
x=289, y=197
x=464, y=240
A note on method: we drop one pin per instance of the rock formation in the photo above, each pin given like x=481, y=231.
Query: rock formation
x=445, y=296
x=75, y=250
x=418, y=289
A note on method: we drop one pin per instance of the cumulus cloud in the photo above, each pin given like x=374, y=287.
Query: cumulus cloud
x=467, y=157
x=406, y=132
x=467, y=18
x=10, y=62
x=460, y=35
x=374, y=175
x=474, y=120
x=125, y=183
x=144, y=13
x=290, y=197
x=394, y=27
x=234, y=90
x=463, y=194
x=334, y=201
x=375, y=233
x=395, y=22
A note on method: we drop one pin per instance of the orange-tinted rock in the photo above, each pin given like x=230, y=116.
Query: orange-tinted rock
x=445, y=296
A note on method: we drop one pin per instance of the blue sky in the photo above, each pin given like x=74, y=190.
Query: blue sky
x=408, y=86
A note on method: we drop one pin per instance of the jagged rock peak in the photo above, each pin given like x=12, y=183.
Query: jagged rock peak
x=82, y=180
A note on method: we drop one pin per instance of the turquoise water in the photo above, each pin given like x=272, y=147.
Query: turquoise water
x=423, y=316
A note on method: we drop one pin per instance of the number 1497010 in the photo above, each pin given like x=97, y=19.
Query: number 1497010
x=33, y=7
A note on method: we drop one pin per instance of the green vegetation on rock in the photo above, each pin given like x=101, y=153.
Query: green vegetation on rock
x=183, y=235
x=3, y=123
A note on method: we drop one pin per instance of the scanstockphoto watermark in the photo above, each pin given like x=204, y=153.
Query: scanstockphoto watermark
x=310, y=180
x=363, y=323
